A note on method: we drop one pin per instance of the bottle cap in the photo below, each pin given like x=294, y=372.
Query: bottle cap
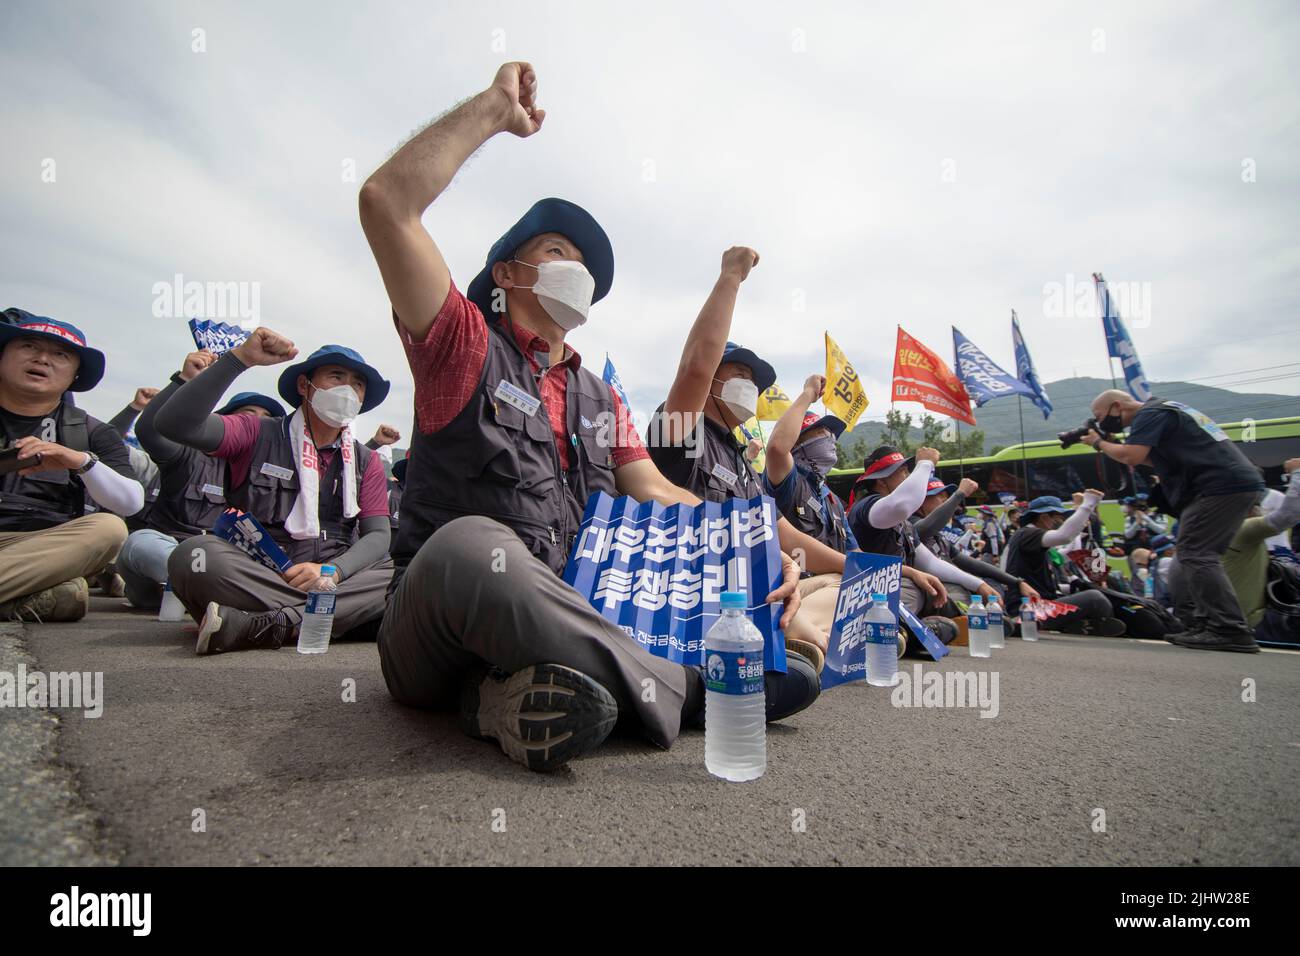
x=327, y=569
x=734, y=600
x=977, y=599
x=879, y=598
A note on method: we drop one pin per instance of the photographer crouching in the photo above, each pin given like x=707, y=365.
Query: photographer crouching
x=1208, y=484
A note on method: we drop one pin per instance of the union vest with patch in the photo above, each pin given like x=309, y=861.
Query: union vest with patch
x=272, y=488
x=191, y=496
x=497, y=458
x=47, y=498
x=719, y=471
x=818, y=517
x=898, y=541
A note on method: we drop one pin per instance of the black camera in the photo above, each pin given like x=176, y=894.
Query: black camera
x=1075, y=435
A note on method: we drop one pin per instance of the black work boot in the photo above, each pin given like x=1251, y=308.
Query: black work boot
x=542, y=716
x=230, y=629
x=1209, y=641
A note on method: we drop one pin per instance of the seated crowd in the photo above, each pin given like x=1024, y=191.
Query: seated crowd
x=505, y=454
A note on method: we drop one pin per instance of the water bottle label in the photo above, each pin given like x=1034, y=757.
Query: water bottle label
x=881, y=633
x=320, y=602
x=734, y=672
x=995, y=618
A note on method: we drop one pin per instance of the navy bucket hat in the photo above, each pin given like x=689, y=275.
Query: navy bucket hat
x=764, y=374
x=273, y=408
x=376, y=385
x=399, y=470
x=549, y=215
x=1043, y=505
x=19, y=323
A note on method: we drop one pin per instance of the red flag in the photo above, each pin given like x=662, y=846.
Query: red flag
x=921, y=376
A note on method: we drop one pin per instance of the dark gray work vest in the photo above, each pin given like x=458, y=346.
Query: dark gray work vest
x=47, y=498
x=818, y=517
x=191, y=494
x=270, y=498
x=497, y=460
x=140, y=519
x=714, y=466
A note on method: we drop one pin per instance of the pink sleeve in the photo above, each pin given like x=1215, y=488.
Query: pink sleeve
x=373, y=499
x=627, y=443
x=237, y=445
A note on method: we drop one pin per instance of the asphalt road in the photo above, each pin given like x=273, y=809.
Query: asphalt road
x=285, y=771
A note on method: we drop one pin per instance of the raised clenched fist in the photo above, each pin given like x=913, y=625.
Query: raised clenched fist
x=737, y=261
x=516, y=84
x=264, y=347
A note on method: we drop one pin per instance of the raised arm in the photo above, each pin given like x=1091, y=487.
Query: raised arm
x=931, y=524
x=1075, y=523
x=779, y=461
x=395, y=197
x=704, y=346
x=162, y=449
x=187, y=416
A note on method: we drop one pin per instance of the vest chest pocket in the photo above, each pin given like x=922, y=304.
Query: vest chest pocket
x=269, y=498
x=511, y=450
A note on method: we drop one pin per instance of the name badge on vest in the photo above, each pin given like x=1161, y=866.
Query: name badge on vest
x=814, y=504
x=217, y=489
x=518, y=398
x=275, y=471
x=724, y=474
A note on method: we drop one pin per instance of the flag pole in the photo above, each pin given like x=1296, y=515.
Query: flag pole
x=1024, y=460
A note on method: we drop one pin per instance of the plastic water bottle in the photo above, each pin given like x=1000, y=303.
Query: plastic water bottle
x=1148, y=584
x=172, y=609
x=318, y=619
x=977, y=626
x=1028, y=622
x=735, y=710
x=997, y=630
x=882, y=643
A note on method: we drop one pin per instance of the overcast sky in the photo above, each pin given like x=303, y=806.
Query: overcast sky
x=923, y=164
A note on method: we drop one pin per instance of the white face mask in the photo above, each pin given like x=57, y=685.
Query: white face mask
x=337, y=407
x=741, y=396
x=564, y=288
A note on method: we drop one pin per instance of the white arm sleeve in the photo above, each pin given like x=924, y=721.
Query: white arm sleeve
x=122, y=496
x=1073, y=526
x=931, y=563
x=1288, y=512
x=901, y=503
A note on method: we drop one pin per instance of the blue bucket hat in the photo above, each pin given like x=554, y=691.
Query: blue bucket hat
x=764, y=374
x=376, y=385
x=19, y=323
x=273, y=408
x=399, y=470
x=549, y=215
x=1044, y=504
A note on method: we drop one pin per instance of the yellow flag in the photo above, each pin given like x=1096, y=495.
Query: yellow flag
x=772, y=404
x=844, y=397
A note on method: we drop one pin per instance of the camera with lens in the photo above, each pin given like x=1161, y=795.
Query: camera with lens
x=1075, y=435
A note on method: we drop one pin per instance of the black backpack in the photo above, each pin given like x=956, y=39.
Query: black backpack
x=1280, y=626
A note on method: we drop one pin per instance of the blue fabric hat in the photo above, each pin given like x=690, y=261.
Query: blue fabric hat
x=549, y=215
x=1044, y=504
x=376, y=385
x=19, y=322
x=399, y=470
x=273, y=408
x=764, y=374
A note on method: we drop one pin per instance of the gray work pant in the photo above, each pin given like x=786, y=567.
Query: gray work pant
x=474, y=596
x=1203, y=596
x=230, y=577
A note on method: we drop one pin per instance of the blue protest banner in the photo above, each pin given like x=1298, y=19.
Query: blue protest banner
x=984, y=379
x=936, y=648
x=216, y=337
x=864, y=575
x=1025, y=369
x=1119, y=344
x=248, y=535
x=659, y=572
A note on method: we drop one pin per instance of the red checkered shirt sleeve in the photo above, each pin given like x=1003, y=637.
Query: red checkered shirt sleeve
x=627, y=443
x=448, y=362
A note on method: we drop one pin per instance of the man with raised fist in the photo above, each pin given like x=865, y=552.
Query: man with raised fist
x=506, y=451
x=191, y=487
x=320, y=493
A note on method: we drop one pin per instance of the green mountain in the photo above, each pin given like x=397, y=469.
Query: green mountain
x=1071, y=398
